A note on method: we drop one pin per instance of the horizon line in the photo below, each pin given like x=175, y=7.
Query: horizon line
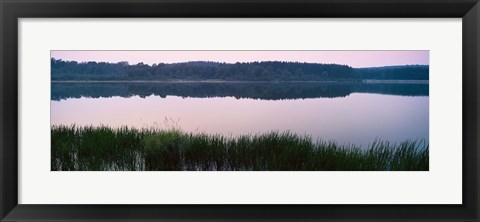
x=221, y=62
x=352, y=58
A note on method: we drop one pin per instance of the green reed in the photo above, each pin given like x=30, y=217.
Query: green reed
x=128, y=149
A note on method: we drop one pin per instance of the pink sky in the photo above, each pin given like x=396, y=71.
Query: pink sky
x=352, y=58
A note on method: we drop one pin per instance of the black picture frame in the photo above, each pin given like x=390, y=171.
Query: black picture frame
x=12, y=10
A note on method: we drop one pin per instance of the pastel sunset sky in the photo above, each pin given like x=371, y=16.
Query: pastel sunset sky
x=355, y=59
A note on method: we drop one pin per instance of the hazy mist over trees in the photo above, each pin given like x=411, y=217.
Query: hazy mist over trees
x=252, y=71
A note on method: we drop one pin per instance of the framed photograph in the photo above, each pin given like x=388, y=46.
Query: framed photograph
x=224, y=110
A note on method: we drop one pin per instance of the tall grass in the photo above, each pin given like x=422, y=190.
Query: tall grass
x=128, y=149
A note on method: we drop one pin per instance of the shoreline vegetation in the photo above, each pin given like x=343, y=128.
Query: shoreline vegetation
x=245, y=71
x=103, y=148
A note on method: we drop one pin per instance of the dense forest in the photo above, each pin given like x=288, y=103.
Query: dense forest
x=252, y=71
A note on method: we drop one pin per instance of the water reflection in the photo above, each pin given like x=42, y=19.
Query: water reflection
x=263, y=90
x=347, y=113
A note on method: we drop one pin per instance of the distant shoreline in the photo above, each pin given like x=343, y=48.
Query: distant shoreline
x=367, y=81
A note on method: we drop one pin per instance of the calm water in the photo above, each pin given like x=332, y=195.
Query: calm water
x=347, y=113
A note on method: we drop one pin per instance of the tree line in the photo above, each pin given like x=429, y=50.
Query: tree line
x=251, y=71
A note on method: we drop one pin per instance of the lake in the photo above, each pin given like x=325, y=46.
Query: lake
x=346, y=112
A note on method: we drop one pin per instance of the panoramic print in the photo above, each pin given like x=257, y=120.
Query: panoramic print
x=239, y=110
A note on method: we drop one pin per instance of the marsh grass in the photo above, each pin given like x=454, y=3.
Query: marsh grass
x=105, y=149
